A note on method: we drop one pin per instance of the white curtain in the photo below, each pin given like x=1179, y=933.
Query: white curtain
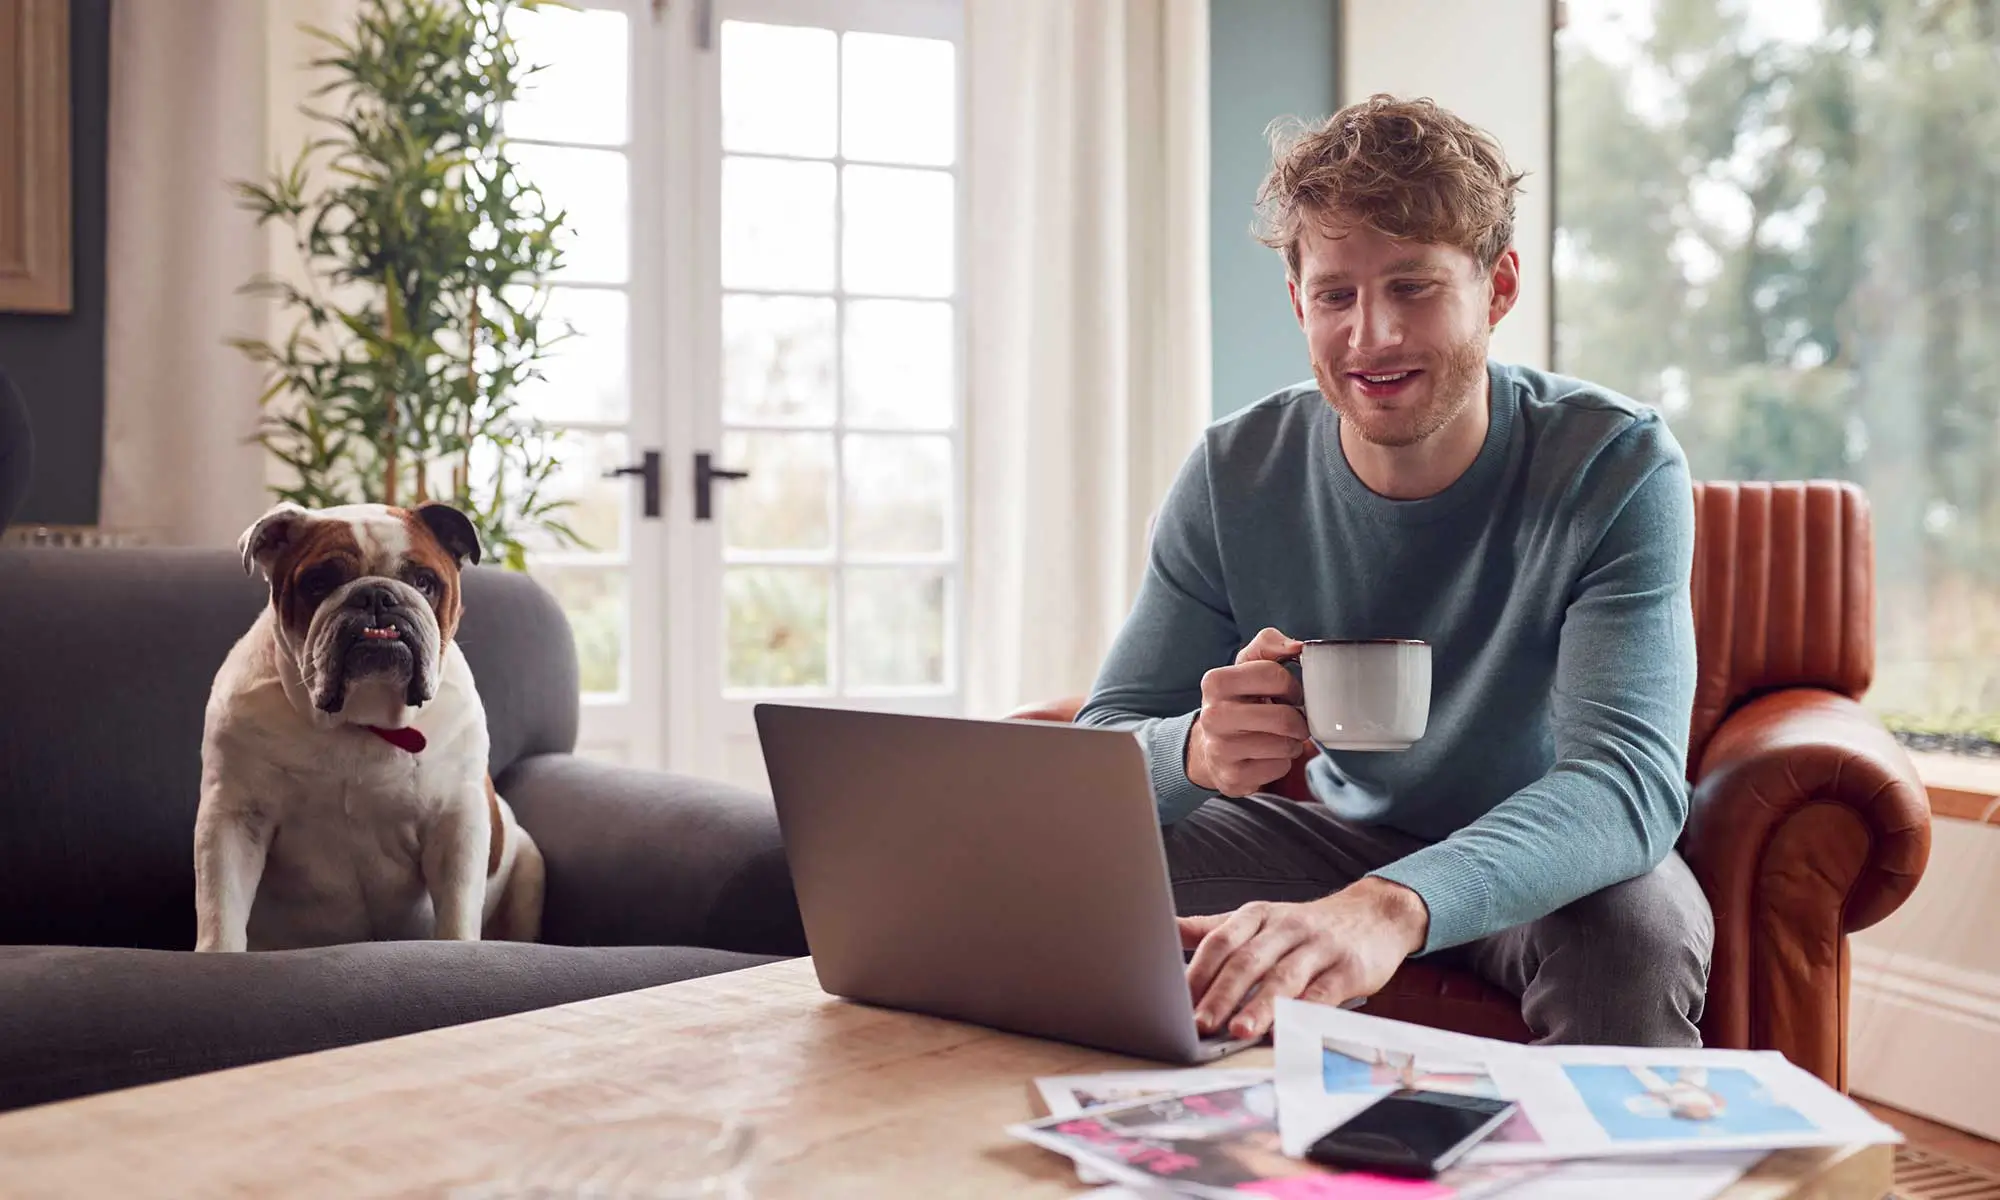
x=1088, y=366
x=203, y=92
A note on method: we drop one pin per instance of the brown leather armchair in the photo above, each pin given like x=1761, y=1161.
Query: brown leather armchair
x=1807, y=820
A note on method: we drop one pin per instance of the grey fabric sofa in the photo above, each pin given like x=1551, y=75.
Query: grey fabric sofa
x=105, y=668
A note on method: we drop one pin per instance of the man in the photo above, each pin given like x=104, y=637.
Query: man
x=1537, y=531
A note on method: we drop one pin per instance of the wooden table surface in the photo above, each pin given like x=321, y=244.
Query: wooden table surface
x=847, y=1100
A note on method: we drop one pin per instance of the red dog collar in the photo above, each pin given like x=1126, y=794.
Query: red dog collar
x=407, y=738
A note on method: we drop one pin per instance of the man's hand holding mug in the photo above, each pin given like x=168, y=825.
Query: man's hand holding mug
x=1250, y=728
x=1350, y=694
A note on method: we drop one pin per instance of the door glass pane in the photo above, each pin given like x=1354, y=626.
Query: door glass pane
x=777, y=89
x=777, y=224
x=569, y=464
x=898, y=231
x=585, y=374
x=589, y=188
x=899, y=364
x=578, y=92
x=893, y=630
x=897, y=99
x=594, y=599
x=787, y=502
x=777, y=359
x=897, y=493
x=777, y=626
x=598, y=505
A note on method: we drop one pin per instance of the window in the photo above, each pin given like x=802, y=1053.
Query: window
x=1779, y=222
x=838, y=287
x=763, y=272
x=570, y=133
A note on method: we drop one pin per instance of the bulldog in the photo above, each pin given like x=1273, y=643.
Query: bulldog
x=344, y=794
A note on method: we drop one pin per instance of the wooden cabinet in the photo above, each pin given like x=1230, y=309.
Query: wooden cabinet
x=34, y=156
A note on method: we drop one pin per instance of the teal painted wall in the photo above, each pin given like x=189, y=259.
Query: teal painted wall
x=1267, y=59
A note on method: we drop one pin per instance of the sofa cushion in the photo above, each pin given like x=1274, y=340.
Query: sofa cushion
x=77, y=1020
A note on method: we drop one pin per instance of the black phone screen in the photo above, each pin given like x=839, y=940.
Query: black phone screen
x=1410, y=1132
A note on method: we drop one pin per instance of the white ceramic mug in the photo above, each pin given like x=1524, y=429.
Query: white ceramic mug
x=1366, y=693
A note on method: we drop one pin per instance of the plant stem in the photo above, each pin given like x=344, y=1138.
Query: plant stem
x=471, y=396
x=389, y=431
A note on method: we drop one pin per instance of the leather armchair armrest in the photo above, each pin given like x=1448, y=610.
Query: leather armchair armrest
x=646, y=858
x=1807, y=822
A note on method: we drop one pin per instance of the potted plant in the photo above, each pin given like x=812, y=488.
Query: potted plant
x=427, y=257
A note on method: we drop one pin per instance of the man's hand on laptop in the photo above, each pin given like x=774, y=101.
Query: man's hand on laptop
x=1328, y=951
x=1250, y=728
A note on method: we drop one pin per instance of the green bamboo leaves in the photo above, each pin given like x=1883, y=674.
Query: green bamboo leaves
x=427, y=258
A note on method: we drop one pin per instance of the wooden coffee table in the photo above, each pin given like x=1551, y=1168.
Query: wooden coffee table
x=847, y=1100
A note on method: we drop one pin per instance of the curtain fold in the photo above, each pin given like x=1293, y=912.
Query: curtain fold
x=203, y=93
x=1088, y=305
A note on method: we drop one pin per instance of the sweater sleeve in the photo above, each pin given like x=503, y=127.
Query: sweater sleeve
x=1613, y=804
x=1179, y=628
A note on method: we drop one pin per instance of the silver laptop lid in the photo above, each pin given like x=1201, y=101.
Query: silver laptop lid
x=1008, y=873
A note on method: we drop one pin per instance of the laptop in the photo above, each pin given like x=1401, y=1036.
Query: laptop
x=1004, y=873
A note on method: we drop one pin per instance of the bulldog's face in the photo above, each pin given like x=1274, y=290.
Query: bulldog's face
x=364, y=594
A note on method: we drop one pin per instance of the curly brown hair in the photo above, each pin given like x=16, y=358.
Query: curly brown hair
x=1407, y=169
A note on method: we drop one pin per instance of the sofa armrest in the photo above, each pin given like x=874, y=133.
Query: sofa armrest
x=1807, y=822
x=639, y=857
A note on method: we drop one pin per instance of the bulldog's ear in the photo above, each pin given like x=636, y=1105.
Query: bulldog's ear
x=453, y=530
x=270, y=534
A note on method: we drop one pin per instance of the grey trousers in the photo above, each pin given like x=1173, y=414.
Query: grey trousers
x=1625, y=966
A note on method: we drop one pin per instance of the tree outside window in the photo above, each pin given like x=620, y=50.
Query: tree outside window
x=1778, y=221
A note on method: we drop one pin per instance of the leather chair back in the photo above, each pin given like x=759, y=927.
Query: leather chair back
x=1783, y=595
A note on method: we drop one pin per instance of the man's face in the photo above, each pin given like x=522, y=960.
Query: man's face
x=1397, y=330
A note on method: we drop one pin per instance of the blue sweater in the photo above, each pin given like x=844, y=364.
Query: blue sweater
x=1551, y=580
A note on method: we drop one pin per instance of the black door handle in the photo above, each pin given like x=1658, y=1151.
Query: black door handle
x=705, y=475
x=649, y=468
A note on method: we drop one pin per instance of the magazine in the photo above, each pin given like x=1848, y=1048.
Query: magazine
x=1224, y=1142
x=1575, y=1102
x=1064, y=1095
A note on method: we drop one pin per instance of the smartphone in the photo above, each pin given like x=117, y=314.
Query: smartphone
x=1409, y=1132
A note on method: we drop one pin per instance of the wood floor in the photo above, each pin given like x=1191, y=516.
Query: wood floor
x=1929, y=1165
x=1939, y=1139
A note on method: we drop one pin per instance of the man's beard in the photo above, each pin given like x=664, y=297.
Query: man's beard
x=1454, y=381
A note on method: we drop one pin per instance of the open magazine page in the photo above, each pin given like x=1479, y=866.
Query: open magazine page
x=1575, y=1102
x=1331, y=1064
x=1224, y=1142
x=1614, y=1100
x=1064, y=1095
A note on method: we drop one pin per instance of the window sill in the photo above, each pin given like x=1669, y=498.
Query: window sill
x=1961, y=789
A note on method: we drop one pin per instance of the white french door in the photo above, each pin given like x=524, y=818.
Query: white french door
x=790, y=223
x=584, y=133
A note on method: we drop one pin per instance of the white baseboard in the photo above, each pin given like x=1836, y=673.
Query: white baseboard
x=1924, y=1037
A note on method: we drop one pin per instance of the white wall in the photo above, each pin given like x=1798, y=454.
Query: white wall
x=1489, y=62
x=1267, y=59
x=1924, y=1034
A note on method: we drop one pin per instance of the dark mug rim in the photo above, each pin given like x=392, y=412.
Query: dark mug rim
x=1363, y=642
